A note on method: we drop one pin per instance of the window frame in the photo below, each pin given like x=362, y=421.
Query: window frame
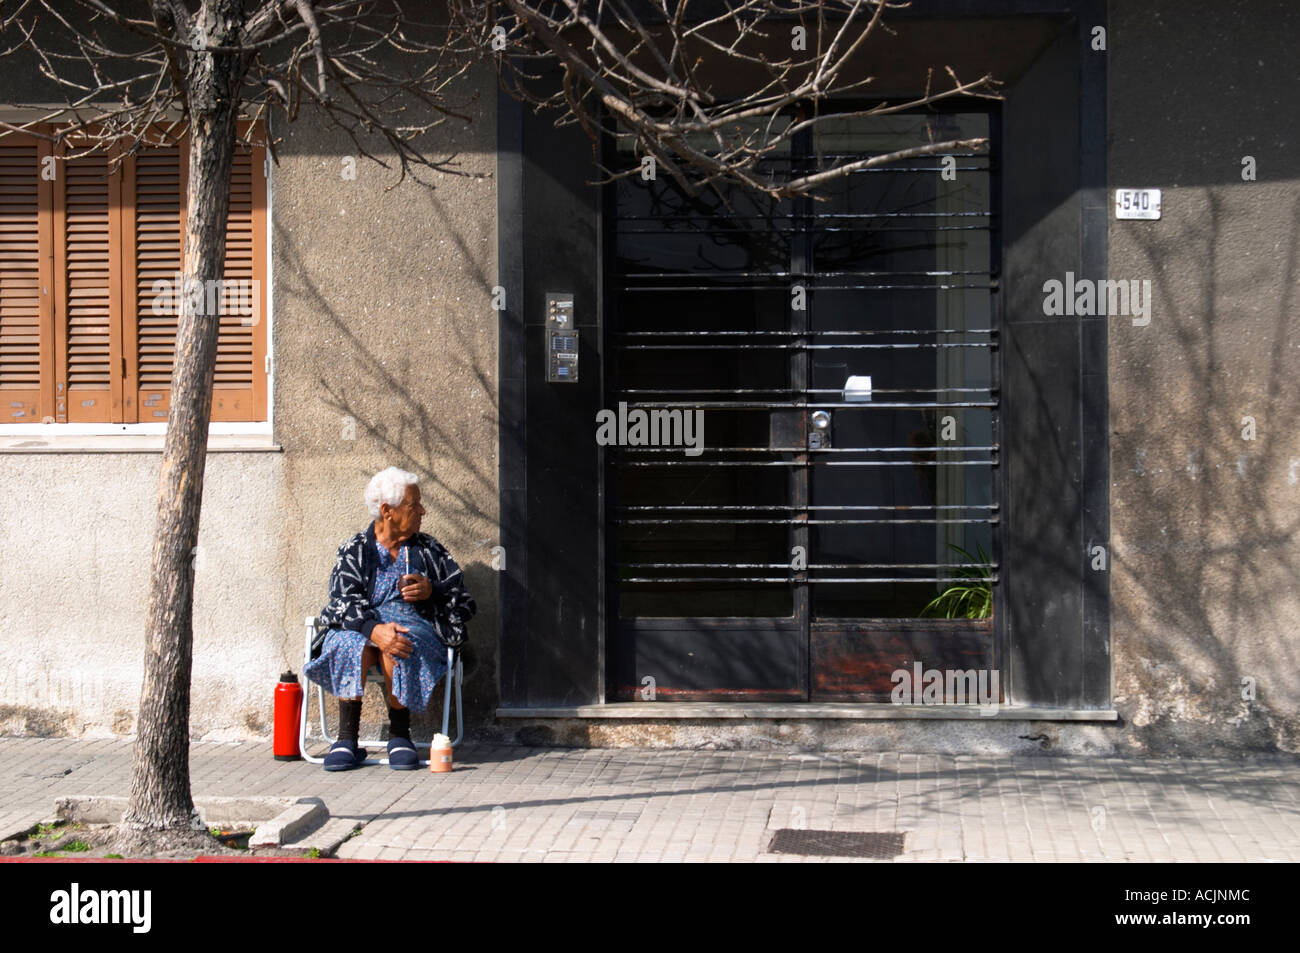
x=126, y=411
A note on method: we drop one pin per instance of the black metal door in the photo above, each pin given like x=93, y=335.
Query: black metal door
x=789, y=553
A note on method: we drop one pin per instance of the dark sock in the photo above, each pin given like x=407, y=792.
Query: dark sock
x=399, y=722
x=349, y=719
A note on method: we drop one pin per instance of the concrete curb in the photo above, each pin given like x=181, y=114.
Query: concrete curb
x=275, y=819
x=326, y=838
x=296, y=819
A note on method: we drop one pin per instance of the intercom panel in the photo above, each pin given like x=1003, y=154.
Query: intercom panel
x=561, y=338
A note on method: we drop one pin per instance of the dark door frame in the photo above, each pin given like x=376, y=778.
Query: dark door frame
x=1057, y=633
x=855, y=648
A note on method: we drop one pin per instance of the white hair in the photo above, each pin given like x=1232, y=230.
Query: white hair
x=388, y=486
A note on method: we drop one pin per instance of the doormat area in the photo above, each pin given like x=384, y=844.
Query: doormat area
x=873, y=845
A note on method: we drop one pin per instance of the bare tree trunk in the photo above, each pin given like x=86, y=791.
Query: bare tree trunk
x=160, y=801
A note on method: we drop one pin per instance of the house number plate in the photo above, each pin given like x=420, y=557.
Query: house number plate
x=1137, y=203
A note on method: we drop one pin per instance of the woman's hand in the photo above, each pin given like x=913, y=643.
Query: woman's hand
x=415, y=588
x=385, y=635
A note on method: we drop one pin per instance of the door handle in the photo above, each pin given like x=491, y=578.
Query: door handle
x=819, y=430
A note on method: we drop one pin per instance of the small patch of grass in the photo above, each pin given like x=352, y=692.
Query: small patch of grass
x=113, y=857
x=49, y=833
x=232, y=838
x=60, y=847
x=313, y=853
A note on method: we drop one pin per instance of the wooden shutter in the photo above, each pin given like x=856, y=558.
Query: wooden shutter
x=83, y=251
x=87, y=304
x=25, y=270
x=153, y=234
x=157, y=179
x=239, y=386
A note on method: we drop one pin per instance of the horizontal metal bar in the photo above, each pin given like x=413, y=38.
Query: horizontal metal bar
x=978, y=345
x=777, y=287
x=818, y=228
x=902, y=165
x=786, y=522
x=786, y=158
x=903, y=170
x=620, y=565
x=857, y=155
x=780, y=522
x=810, y=567
x=813, y=276
x=819, y=216
x=949, y=449
x=814, y=217
x=810, y=390
x=803, y=334
x=811, y=405
x=807, y=463
x=735, y=579
x=658, y=507
x=906, y=463
x=721, y=579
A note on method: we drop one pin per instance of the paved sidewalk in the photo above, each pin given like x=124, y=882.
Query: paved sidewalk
x=630, y=804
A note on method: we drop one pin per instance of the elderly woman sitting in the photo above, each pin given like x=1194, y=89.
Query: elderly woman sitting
x=395, y=596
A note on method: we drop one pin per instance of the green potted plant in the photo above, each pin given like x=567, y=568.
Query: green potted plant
x=972, y=597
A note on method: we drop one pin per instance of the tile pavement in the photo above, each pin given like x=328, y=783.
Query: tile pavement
x=630, y=804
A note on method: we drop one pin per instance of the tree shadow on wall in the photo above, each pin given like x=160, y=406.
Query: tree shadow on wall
x=420, y=434
x=1206, y=567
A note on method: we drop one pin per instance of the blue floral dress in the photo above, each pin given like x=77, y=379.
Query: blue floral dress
x=338, y=667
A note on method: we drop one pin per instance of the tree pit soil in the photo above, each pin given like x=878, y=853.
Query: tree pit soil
x=65, y=841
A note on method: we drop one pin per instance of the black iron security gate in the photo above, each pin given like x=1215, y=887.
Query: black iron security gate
x=841, y=355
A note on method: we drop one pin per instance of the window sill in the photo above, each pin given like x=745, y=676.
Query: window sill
x=126, y=438
x=797, y=711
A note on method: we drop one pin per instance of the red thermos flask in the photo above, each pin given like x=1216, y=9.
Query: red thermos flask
x=288, y=712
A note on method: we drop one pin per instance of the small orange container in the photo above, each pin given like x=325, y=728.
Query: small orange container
x=440, y=756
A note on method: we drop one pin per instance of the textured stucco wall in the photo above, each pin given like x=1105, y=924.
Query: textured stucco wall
x=1204, y=523
x=385, y=354
x=382, y=322
x=385, y=331
x=75, y=577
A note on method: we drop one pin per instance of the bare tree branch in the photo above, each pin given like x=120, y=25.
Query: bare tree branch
x=317, y=45
x=711, y=92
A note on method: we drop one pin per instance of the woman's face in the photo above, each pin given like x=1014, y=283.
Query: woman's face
x=405, y=518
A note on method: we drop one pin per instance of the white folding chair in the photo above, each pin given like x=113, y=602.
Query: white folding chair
x=451, y=682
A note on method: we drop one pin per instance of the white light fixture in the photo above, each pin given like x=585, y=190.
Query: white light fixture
x=857, y=389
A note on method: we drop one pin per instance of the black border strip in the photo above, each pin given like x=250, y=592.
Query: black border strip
x=1096, y=675
x=512, y=419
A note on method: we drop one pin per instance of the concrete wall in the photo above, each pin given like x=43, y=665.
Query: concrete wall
x=1204, y=522
x=386, y=329
x=385, y=354
x=1204, y=554
x=382, y=322
x=75, y=571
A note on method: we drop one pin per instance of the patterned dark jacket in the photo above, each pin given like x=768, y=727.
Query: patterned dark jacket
x=448, y=608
